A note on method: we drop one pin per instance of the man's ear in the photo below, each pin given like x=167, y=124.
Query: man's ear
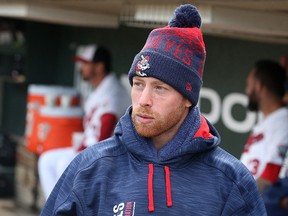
x=259, y=87
x=100, y=66
x=188, y=103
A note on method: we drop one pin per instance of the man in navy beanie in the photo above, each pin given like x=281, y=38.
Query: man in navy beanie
x=163, y=158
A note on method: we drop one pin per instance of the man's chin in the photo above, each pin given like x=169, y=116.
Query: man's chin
x=146, y=132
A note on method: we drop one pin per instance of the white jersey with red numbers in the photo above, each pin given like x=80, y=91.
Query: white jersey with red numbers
x=110, y=97
x=265, y=149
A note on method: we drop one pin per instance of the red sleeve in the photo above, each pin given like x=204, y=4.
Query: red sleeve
x=271, y=172
x=108, y=123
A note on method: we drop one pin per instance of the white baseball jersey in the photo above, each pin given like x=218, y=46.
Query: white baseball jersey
x=110, y=97
x=266, y=144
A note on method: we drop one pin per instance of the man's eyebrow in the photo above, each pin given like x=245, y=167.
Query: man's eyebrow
x=156, y=82
x=137, y=78
x=159, y=82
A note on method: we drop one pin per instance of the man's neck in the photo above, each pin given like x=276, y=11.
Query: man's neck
x=96, y=82
x=271, y=106
x=162, y=139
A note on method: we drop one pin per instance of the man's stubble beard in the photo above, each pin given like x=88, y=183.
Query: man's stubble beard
x=253, y=104
x=160, y=125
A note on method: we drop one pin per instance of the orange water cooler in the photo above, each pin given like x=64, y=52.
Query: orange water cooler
x=56, y=125
x=40, y=96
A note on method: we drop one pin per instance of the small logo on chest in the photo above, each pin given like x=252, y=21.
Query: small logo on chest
x=124, y=209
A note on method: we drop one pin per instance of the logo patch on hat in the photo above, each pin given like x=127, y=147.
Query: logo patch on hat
x=142, y=66
x=188, y=86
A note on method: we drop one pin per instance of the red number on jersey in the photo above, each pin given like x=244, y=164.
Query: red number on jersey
x=253, y=166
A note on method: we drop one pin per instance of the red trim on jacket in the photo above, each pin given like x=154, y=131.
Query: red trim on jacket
x=203, y=131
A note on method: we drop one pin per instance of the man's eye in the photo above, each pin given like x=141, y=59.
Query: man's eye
x=137, y=84
x=159, y=87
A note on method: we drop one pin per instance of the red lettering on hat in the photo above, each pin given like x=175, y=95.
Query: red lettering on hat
x=157, y=41
x=153, y=42
x=198, y=45
x=169, y=45
x=187, y=57
x=178, y=51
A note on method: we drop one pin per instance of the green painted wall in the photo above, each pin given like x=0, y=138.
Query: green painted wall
x=50, y=48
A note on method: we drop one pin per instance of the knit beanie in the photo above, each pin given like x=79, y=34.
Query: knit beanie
x=175, y=54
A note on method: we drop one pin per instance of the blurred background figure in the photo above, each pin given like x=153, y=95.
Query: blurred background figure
x=102, y=109
x=284, y=63
x=276, y=195
x=285, y=98
x=266, y=147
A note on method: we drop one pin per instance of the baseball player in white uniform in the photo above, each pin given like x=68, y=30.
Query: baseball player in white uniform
x=263, y=152
x=103, y=108
x=265, y=149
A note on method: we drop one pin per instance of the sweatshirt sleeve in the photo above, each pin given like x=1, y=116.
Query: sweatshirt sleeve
x=244, y=199
x=62, y=200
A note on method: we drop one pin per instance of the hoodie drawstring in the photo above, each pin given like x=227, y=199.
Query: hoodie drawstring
x=150, y=187
x=168, y=187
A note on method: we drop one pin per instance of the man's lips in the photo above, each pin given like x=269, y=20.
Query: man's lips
x=144, y=118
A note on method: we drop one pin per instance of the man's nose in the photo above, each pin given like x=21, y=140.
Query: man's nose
x=146, y=97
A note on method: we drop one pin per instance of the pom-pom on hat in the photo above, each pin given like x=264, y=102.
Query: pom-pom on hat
x=175, y=54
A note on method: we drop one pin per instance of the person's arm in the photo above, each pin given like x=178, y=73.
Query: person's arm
x=262, y=184
x=268, y=177
x=275, y=140
x=62, y=200
x=244, y=199
x=284, y=202
x=108, y=122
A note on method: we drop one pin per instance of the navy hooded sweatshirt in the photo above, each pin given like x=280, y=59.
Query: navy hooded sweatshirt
x=125, y=175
